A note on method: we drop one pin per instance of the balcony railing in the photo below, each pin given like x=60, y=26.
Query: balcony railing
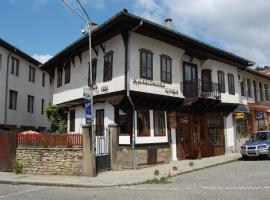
x=200, y=88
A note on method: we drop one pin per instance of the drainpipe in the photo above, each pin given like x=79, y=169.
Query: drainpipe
x=128, y=94
x=6, y=89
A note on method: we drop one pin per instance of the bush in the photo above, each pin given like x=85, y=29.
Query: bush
x=17, y=167
x=191, y=164
x=156, y=172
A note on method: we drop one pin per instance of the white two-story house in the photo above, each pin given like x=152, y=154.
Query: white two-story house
x=24, y=90
x=171, y=95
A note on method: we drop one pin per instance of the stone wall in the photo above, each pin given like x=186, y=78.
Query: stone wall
x=53, y=161
x=124, y=156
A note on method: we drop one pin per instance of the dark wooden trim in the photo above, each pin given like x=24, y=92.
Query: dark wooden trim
x=102, y=48
x=95, y=50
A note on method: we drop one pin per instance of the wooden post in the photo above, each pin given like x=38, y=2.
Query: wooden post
x=113, y=145
x=89, y=160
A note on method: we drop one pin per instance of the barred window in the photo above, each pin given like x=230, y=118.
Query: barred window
x=100, y=122
x=215, y=131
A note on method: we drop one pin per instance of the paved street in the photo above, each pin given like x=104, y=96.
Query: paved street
x=237, y=180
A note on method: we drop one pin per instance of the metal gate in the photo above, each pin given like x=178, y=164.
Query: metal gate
x=103, y=161
x=8, y=143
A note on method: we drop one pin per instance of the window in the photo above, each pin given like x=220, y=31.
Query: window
x=249, y=88
x=243, y=87
x=143, y=123
x=124, y=124
x=43, y=79
x=215, y=131
x=166, y=68
x=231, y=84
x=42, y=106
x=100, y=122
x=159, y=123
x=94, y=70
x=108, y=66
x=13, y=99
x=15, y=66
x=266, y=92
x=146, y=64
x=59, y=76
x=67, y=72
x=32, y=72
x=255, y=90
x=221, y=82
x=261, y=91
x=72, y=120
x=30, y=104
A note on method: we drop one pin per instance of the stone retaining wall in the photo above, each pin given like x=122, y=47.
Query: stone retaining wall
x=124, y=156
x=53, y=161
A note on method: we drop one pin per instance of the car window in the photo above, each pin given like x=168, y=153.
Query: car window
x=263, y=136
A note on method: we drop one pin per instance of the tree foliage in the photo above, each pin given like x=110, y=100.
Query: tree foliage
x=58, y=123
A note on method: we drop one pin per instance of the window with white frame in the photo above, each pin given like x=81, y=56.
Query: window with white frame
x=13, y=99
x=15, y=64
x=159, y=123
x=30, y=104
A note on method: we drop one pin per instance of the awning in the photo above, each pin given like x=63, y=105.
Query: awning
x=262, y=107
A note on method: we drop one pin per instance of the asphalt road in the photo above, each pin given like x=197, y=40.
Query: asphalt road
x=237, y=180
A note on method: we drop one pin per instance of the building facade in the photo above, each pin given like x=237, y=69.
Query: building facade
x=24, y=90
x=171, y=96
x=253, y=113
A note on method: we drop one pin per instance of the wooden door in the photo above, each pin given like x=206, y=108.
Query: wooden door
x=206, y=80
x=182, y=140
x=194, y=142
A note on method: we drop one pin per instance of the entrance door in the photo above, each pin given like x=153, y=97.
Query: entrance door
x=194, y=144
x=190, y=84
x=182, y=140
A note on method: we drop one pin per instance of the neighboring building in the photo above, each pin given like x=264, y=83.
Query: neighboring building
x=253, y=113
x=174, y=93
x=24, y=90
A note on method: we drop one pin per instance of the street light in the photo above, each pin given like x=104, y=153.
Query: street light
x=87, y=20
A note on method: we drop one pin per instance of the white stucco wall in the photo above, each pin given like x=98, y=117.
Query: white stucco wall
x=177, y=55
x=229, y=131
x=79, y=73
x=21, y=84
x=247, y=75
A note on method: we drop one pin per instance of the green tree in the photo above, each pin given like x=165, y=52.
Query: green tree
x=58, y=123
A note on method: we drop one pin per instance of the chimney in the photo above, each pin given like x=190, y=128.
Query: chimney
x=168, y=23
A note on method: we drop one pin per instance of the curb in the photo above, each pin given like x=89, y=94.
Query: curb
x=15, y=182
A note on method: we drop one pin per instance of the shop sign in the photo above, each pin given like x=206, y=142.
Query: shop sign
x=87, y=108
x=171, y=91
x=240, y=115
x=259, y=115
x=139, y=81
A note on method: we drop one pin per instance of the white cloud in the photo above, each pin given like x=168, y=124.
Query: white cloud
x=241, y=26
x=42, y=58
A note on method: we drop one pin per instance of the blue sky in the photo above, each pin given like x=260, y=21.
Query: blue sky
x=44, y=27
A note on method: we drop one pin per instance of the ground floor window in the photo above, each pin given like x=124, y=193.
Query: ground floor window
x=124, y=124
x=159, y=123
x=215, y=131
x=143, y=123
x=242, y=128
x=100, y=122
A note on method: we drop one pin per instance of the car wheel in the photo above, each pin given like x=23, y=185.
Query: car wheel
x=244, y=157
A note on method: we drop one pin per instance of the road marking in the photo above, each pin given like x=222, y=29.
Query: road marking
x=235, y=188
x=148, y=188
x=26, y=191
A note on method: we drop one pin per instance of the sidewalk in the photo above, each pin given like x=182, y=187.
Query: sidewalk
x=116, y=178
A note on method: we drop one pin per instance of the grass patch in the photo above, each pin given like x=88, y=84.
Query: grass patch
x=162, y=180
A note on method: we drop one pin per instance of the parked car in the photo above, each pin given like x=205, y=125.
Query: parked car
x=257, y=147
